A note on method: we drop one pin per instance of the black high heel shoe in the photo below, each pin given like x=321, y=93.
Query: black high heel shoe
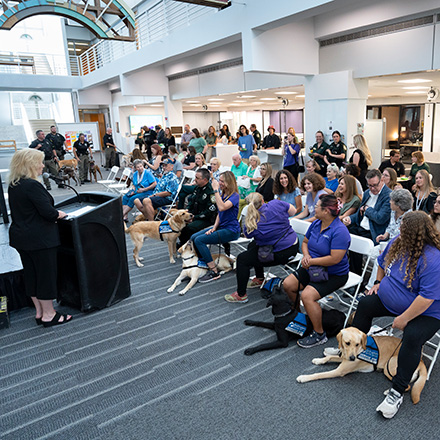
x=38, y=321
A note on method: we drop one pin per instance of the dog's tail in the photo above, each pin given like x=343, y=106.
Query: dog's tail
x=419, y=384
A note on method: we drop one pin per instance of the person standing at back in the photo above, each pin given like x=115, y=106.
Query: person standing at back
x=58, y=142
x=256, y=134
x=271, y=141
x=361, y=157
x=109, y=149
x=337, y=151
x=317, y=152
x=81, y=150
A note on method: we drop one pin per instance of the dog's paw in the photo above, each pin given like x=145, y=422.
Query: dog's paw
x=178, y=256
x=141, y=258
x=319, y=361
x=139, y=264
x=173, y=261
x=182, y=292
x=302, y=379
x=170, y=289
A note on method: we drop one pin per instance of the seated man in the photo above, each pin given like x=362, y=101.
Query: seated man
x=164, y=192
x=238, y=168
x=394, y=163
x=202, y=204
x=178, y=166
x=373, y=216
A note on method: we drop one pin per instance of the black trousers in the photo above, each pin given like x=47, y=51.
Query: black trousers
x=40, y=272
x=355, y=258
x=416, y=333
x=249, y=258
x=192, y=228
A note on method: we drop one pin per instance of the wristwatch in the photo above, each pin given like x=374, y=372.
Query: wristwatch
x=376, y=282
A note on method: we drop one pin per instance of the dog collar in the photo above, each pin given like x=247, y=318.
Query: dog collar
x=283, y=314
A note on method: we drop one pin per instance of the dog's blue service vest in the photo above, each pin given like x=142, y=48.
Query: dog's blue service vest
x=298, y=325
x=165, y=228
x=371, y=353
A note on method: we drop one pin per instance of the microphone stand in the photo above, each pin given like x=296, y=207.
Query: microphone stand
x=65, y=185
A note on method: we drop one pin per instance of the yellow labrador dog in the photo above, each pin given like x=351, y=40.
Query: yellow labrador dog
x=352, y=342
x=192, y=271
x=141, y=230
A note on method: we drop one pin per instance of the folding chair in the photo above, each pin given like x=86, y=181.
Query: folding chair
x=166, y=208
x=189, y=174
x=433, y=357
x=110, y=178
x=363, y=246
x=117, y=187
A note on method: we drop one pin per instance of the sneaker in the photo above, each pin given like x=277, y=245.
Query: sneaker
x=332, y=351
x=312, y=340
x=390, y=404
x=202, y=264
x=236, y=298
x=210, y=276
x=254, y=283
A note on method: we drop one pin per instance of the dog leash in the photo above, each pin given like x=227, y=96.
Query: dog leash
x=381, y=329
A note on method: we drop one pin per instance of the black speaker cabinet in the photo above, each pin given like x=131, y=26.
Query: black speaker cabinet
x=92, y=258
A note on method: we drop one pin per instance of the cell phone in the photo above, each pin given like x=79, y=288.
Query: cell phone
x=209, y=167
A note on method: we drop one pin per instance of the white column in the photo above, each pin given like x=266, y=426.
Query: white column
x=173, y=112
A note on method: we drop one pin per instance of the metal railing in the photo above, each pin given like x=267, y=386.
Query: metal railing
x=153, y=23
x=33, y=63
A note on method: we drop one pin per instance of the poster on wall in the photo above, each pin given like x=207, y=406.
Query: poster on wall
x=72, y=131
x=138, y=121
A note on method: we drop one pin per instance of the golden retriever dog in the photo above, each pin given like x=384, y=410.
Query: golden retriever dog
x=352, y=342
x=141, y=230
x=190, y=269
x=68, y=163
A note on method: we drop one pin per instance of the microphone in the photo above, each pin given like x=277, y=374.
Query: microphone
x=62, y=183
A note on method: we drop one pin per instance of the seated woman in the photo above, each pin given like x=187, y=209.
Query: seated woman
x=156, y=159
x=143, y=183
x=325, y=244
x=353, y=170
x=189, y=163
x=435, y=213
x=407, y=289
x=331, y=181
x=183, y=153
x=389, y=177
x=313, y=185
x=248, y=182
x=418, y=160
x=401, y=202
x=286, y=189
x=312, y=167
x=348, y=196
x=267, y=224
x=215, y=168
x=226, y=227
x=265, y=187
x=424, y=194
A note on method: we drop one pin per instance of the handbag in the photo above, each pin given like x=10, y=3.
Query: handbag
x=265, y=253
x=243, y=182
x=318, y=274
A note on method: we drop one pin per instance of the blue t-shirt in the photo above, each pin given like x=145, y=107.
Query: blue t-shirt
x=290, y=197
x=246, y=146
x=310, y=202
x=273, y=224
x=393, y=290
x=145, y=180
x=335, y=236
x=289, y=158
x=228, y=218
x=331, y=184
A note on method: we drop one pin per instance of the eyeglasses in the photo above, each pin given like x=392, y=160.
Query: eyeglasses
x=437, y=202
x=375, y=185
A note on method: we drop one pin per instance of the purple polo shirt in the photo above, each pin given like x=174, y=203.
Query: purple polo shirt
x=228, y=218
x=335, y=236
x=393, y=290
x=273, y=224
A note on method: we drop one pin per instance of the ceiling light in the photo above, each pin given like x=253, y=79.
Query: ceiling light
x=192, y=102
x=156, y=105
x=246, y=96
x=257, y=103
x=268, y=99
x=233, y=105
x=286, y=93
x=416, y=88
x=300, y=96
x=420, y=92
x=238, y=101
x=414, y=81
x=215, y=99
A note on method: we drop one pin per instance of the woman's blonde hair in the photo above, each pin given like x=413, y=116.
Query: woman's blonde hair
x=350, y=184
x=24, y=164
x=202, y=157
x=416, y=231
x=216, y=160
x=230, y=183
x=268, y=167
x=427, y=186
x=255, y=202
x=360, y=143
x=257, y=159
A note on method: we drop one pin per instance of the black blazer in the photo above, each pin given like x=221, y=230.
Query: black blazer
x=266, y=190
x=33, y=215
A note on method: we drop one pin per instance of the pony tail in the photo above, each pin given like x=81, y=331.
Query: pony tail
x=252, y=218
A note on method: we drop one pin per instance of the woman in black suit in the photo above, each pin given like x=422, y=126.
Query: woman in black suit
x=34, y=233
x=265, y=187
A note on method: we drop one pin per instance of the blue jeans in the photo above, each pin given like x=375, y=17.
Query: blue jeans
x=129, y=198
x=201, y=240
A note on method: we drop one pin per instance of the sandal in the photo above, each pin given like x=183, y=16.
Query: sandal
x=56, y=320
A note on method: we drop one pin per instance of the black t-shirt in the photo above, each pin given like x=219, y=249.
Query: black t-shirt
x=398, y=167
x=108, y=139
x=362, y=161
x=271, y=141
x=81, y=148
x=57, y=140
x=189, y=159
x=46, y=148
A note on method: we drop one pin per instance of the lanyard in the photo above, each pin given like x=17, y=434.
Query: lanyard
x=419, y=201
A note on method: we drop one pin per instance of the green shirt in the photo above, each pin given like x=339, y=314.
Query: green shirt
x=415, y=169
x=210, y=140
x=240, y=170
x=198, y=144
x=355, y=202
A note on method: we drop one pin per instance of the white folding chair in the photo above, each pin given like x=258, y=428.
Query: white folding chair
x=166, y=208
x=363, y=246
x=436, y=347
x=117, y=187
x=110, y=178
x=189, y=174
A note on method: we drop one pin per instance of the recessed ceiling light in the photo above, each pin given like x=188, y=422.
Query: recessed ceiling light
x=156, y=105
x=420, y=92
x=192, y=102
x=238, y=101
x=246, y=96
x=194, y=105
x=414, y=81
x=215, y=99
x=300, y=96
x=416, y=88
x=286, y=93
x=215, y=105
x=268, y=99
x=233, y=105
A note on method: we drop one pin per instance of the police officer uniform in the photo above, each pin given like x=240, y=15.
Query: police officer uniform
x=82, y=151
x=339, y=148
x=110, y=151
x=320, y=150
x=57, y=140
x=49, y=162
x=257, y=137
x=202, y=204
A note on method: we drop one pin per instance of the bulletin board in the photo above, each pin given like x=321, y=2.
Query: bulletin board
x=71, y=133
